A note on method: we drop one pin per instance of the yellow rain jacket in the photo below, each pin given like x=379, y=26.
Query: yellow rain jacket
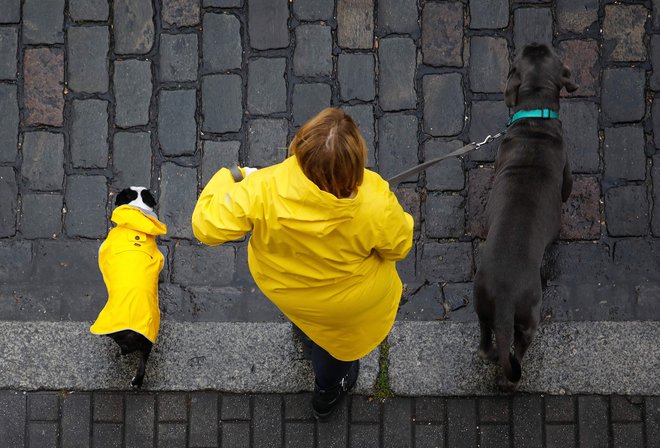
x=130, y=263
x=328, y=264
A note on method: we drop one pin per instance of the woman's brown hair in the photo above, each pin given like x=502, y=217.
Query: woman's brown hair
x=331, y=152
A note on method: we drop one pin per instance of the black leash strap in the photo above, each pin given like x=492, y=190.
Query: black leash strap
x=394, y=181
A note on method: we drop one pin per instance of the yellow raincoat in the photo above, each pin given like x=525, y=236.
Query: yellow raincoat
x=130, y=263
x=328, y=264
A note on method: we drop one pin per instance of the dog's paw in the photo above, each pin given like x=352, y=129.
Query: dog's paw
x=136, y=383
x=490, y=355
x=505, y=385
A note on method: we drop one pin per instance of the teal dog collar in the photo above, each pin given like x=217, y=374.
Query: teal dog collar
x=534, y=113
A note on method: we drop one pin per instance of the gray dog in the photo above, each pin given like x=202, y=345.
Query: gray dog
x=532, y=179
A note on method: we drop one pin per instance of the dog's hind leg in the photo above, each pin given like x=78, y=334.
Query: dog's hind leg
x=510, y=365
x=139, y=374
x=486, y=349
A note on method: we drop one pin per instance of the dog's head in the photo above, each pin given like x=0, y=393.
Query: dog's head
x=537, y=76
x=139, y=197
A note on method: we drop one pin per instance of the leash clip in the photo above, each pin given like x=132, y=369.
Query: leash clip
x=488, y=139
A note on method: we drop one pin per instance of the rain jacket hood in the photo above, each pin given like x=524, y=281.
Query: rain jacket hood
x=130, y=262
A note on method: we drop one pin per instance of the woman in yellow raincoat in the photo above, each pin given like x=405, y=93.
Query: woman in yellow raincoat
x=326, y=233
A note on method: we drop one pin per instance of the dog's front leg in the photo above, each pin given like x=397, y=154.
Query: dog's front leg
x=139, y=374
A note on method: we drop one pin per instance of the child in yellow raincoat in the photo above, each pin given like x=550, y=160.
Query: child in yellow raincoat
x=326, y=233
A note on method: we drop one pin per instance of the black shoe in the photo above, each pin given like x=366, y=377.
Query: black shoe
x=324, y=402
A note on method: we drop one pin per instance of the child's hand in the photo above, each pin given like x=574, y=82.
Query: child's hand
x=247, y=170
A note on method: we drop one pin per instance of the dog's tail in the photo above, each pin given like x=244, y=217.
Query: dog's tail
x=508, y=362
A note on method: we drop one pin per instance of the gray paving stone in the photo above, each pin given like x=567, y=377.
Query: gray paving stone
x=434, y=265
x=218, y=155
x=203, y=265
x=43, y=21
x=267, y=421
x=448, y=175
x=132, y=82
x=68, y=261
x=444, y=108
x=627, y=434
x=203, y=419
x=139, y=421
x=397, y=135
x=626, y=210
x=623, y=94
x=655, y=14
x=107, y=435
x=430, y=409
x=489, y=64
x=494, y=436
x=235, y=407
x=171, y=435
x=178, y=57
x=267, y=24
x=222, y=103
x=355, y=23
x=623, y=150
x=223, y=3
x=180, y=13
x=532, y=25
x=396, y=83
x=487, y=118
x=364, y=436
x=43, y=161
x=297, y=406
x=177, y=128
x=298, y=434
x=309, y=100
x=10, y=11
x=592, y=421
x=41, y=215
x=560, y=409
x=397, y=425
x=76, y=418
x=87, y=58
x=178, y=195
x=458, y=299
x=655, y=176
x=623, y=33
x=576, y=16
x=266, y=90
x=365, y=409
x=579, y=121
x=12, y=417
x=314, y=9
x=43, y=435
x=221, y=42
x=652, y=414
x=88, y=10
x=489, y=14
x=43, y=77
x=429, y=436
x=363, y=115
x=334, y=433
x=173, y=407
x=9, y=123
x=442, y=34
x=313, y=53
x=108, y=407
x=9, y=197
x=8, y=46
x=626, y=409
x=266, y=141
x=654, y=76
x=527, y=422
x=131, y=159
x=89, y=134
x=461, y=422
x=133, y=26
x=236, y=434
x=16, y=257
x=560, y=436
x=493, y=410
x=445, y=216
x=85, y=200
x=43, y=406
x=398, y=16
x=356, y=76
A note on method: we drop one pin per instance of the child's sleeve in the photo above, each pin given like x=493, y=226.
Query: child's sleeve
x=396, y=231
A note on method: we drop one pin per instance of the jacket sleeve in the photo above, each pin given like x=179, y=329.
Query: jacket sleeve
x=396, y=233
x=221, y=212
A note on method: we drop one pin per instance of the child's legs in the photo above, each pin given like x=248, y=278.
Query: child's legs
x=329, y=371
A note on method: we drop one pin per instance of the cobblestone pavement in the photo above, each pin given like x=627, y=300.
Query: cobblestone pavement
x=209, y=419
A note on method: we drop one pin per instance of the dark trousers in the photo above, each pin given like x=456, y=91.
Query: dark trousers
x=328, y=370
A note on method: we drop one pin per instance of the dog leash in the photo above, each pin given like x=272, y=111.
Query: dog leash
x=394, y=181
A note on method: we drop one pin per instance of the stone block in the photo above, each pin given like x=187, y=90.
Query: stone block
x=623, y=33
x=222, y=103
x=442, y=34
x=267, y=24
x=203, y=419
x=356, y=77
x=172, y=407
x=398, y=16
x=177, y=128
x=133, y=26
x=87, y=58
x=447, y=175
x=445, y=216
x=623, y=151
x=487, y=118
x=43, y=21
x=398, y=147
x=397, y=422
x=527, y=421
x=88, y=10
x=43, y=77
x=592, y=421
x=314, y=9
x=89, y=134
x=107, y=435
x=626, y=409
x=69, y=263
x=299, y=434
x=652, y=412
x=9, y=120
x=139, y=420
x=576, y=16
x=266, y=420
x=178, y=196
x=8, y=47
x=180, y=13
x=489, y=14
x=430, y=409
x=447, y=262
x=218, y=155
x=489, y=64
x=235, y=407
x=313, y=53
x=10, y=12
x=224, y=3
x=444, y=108
x=480, y=181
x=43, y=406
x=203, y=265
x=9, y=198
x=355, y=23
x=559, y=409
x=627, y=434
x=363, y=434
x=76, y=425
x=579, y=121
x=238, y=434
x=560, y=435
x=655, y=176
x=131, y=159
x=532, y=25
x=42, y=434
x=172, y=435
x=622, y=97
x=43, y=161
x=178, y=57
x=309, y=100
x=461, y=422
x=41, y=215
x=626, y=210
x=493, y=410
x=581, y=57
x=396, y=82
x=363, y=115
x=86, y=200
x=429, y=435
x=221, y=42
x=266, y=89
x=654, y=77
x=580, y=215
x=266, y=141
x=16, y=257
x=458, y=302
